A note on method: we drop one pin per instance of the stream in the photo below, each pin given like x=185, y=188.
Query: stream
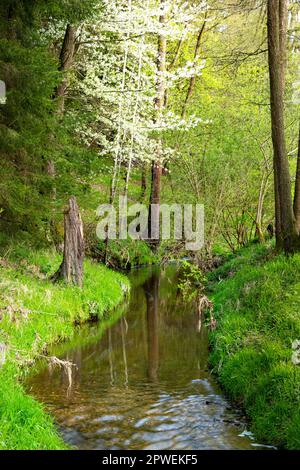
x=142, y=382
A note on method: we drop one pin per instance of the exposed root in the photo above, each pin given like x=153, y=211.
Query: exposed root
x=66, y=366
x=204, y=305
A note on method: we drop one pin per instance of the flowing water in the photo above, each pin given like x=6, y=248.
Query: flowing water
x=142, y=383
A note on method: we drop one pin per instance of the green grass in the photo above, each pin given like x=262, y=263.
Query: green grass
x=257, y=305
x=35, y=314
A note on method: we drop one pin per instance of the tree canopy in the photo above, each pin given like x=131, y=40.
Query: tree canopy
x=100, y=92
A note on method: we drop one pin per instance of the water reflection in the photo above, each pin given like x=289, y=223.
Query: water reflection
x=145, y=383
x=151, y=288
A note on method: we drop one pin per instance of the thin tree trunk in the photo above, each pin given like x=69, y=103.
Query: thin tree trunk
x=159, y=105
x=118, y=156
x=259, y=212
x=172, y=63
x=258, y=225
x=71, y=268
x=135, y=112
x=177, y=52
x=192, y=82
x=297, y=191
x=277, y=32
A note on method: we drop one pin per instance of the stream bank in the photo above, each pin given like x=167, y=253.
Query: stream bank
x=34, y=315
x=144, y=382
x=256, y=296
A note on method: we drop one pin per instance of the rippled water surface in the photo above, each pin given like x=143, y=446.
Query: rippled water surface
x=142, y=383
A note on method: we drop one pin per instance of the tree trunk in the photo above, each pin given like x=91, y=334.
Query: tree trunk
x=159, y=105
x=172, y=63
x=66, y=61
x=278, y=228
x=259, y=211
x=192, y=82
x=154, y=212
x=71, y=268
x=297, y=192
x=277, y=32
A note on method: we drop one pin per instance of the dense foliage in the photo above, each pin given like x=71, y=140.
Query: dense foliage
x=98, y=137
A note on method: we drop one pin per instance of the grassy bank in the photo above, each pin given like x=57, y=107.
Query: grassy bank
x=257, y=305
x=34, y=313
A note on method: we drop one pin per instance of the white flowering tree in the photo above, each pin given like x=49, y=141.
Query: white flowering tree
x=116, y=79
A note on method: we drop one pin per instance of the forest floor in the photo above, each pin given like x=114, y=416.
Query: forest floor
x=256, y=296
x=34, y=314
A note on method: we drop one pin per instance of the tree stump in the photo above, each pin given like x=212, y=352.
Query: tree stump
x=71, y=268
